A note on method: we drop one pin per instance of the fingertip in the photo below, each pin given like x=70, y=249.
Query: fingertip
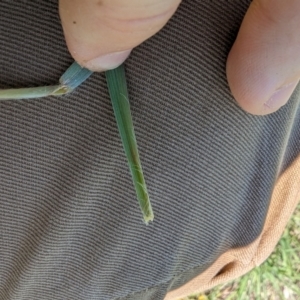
x=102, y=36
x=107, y=61
x=256, y=91
x=248, y=92
x=263, y=66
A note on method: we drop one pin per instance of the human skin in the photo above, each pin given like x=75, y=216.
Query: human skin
x=263, y=66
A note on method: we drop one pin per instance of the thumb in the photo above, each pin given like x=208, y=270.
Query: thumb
x=263, y=66
x=101, y=33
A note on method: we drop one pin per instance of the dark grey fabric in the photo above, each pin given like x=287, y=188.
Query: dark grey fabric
x=70, y=225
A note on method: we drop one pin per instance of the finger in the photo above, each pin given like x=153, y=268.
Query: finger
x=101, y=33
x=263, y=66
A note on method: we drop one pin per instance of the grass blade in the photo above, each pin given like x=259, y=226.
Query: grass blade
x=117, y=87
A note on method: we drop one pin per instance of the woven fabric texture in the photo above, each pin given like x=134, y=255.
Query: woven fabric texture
x=70, y=225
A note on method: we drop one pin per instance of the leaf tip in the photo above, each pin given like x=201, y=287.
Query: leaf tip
x=148, y=218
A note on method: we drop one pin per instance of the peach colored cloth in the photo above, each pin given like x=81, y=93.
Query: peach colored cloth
x=236, y=262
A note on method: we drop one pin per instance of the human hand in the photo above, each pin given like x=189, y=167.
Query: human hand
x=263, y=66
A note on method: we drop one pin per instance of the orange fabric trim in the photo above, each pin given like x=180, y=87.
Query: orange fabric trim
x=236, y=262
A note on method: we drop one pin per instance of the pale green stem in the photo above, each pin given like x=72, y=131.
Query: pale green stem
x=72, y=78
x=35, y=92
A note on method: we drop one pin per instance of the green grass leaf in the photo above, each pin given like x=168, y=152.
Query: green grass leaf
x=117, y=87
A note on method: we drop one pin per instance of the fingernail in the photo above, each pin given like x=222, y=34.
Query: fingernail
x=107, y=61
x=280, y=97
